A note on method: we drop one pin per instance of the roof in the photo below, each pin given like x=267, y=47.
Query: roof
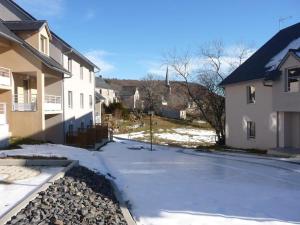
x=99, y=97
x=46, y=60
x=128, y=90
x=101, y=83
x=6, y=33
x=71, y=49
x=265, y=61
x=25, y=25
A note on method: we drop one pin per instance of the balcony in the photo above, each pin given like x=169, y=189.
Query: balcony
x=5, y=78
x=52, y=103
x=24, y=103
x=2, y=113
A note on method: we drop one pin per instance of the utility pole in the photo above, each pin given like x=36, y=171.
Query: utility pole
x=150, y=113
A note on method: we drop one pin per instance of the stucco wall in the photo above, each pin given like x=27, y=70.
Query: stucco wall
x=76, y=115
x=286, y=101
x=238, y=112
x=54, y=128
x=108, y=94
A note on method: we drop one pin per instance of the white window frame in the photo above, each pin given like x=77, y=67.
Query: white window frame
x=70, y=65
x=43, y=44
x=70, y=99
x=287, y=83
x=91, y=101
x=90, y=77
x=251, y=133
x=81, y=72
x=81, y=100
x=251, y=96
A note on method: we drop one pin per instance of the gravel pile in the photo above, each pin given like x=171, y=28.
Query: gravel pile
x=81, y=197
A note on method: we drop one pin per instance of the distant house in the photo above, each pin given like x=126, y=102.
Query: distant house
x=99, y=100
x=263, y=96
x=172, y=112
x=105, y=90
x=130, y=97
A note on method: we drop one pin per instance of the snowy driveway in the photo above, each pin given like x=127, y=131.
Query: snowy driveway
x=169, y=187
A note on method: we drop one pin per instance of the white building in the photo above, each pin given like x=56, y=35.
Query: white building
x=263, y=96
x=106, y=90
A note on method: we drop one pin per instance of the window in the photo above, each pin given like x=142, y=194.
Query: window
x=293, y=80
x=91, y=75
x=82, y=125
x=70, y=65
x=250, y=94
x=44, y=47
x=70, y=99
x=81, y=73
x=251, y=129
x=91, y=101
x=81, y=101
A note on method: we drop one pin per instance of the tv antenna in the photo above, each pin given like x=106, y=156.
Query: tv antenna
x=282, y=19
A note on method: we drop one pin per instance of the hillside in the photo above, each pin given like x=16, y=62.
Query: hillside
x=179, y=96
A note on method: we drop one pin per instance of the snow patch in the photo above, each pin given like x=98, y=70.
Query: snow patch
x=275, y=61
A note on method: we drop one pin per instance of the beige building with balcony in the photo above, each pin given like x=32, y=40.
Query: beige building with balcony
x=263, y=96
x=30, y=82
x=46, y=86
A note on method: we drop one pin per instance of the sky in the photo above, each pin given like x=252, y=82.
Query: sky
x=128, y=38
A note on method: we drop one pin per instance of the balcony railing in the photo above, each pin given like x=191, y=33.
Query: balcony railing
x=5, y=77
x=24, y=102
x=53, y=103
x=2, y=113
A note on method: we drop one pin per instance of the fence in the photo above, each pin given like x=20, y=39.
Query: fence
x=53, y=103
x=2, y=113
x=88, y=137
x=24, y=102
x=5, y=76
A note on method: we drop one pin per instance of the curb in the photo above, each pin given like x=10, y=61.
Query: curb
x=124, y=209
x=33, y=194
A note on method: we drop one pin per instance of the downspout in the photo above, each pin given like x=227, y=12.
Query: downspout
x=277, y=130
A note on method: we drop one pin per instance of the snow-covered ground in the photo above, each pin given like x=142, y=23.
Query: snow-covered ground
x=172, y=186
x=14, y=191
x=169, y=187
x=178, y=135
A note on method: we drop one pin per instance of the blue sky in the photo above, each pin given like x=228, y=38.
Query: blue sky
x=127, y=38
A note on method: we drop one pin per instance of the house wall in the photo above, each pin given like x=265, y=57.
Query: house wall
x=76, y=115
x=291, y=130
x=238, y=112
x=98, y=112
x=108, y=94
x=54, y=128
x=22, y=63
x=286, y=101
x=56, y=53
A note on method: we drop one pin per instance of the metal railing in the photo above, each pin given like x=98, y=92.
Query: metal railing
x=2, y=113
x=53, y=103
x=23, y=102
x=5, y=76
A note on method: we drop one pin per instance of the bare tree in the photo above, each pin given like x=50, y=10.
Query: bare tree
x=208, y=68
x=151, y=91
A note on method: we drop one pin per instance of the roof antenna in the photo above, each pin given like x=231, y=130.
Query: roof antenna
x=282, y=19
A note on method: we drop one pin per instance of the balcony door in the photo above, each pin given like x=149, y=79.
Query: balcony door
x=26, y=91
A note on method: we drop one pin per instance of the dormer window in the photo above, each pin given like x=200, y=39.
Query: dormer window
x=293, y=80
x=44, y=44
x=250, y=94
